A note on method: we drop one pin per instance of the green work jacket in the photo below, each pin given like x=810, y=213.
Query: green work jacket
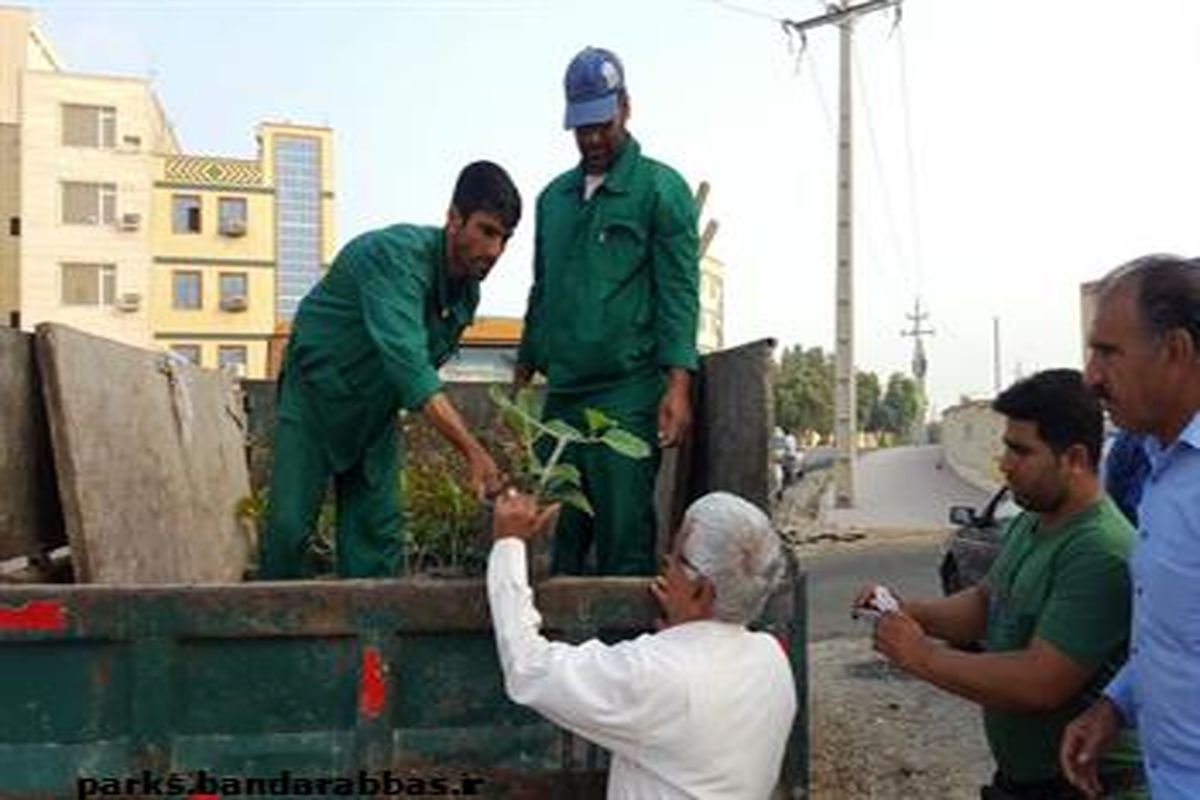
x=368, y=339
x=616, y=278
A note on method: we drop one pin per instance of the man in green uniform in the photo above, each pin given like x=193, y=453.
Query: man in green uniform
x=366, y=342
x=611, y=320
x=1054, y=608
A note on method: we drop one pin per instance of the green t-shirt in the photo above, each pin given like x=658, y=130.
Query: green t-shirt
x=1069, y=586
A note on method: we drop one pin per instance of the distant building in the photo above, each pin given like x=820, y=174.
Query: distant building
x=77, y=162
x=487, y=352
x=109, y=227
x=710, y=330
x=238, y=243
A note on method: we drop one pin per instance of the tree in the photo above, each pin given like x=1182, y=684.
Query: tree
x=804, y=390
x=902, y=404
x=868, y=395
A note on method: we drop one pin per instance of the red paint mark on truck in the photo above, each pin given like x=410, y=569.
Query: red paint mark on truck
x=372, y=690
x=36, y=615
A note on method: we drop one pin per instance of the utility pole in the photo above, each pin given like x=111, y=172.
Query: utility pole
x=845, y=425
x=919, y=365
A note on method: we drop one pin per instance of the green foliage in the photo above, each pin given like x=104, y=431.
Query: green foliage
x=443, y=522
x=804, y=395
x=804, y=390
x=902, y=404
x=868, y=394
x=543, y=475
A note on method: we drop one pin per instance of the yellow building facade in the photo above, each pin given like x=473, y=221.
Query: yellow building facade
x=237, y=244
x=106, y=225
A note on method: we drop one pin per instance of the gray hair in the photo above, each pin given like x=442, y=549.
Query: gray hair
x=1167, y=292
x=731, y=542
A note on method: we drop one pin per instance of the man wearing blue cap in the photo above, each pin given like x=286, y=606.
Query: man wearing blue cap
x=611, y=320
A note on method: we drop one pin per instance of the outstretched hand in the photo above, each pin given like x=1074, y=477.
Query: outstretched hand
x=517, y=515
x=483, y=476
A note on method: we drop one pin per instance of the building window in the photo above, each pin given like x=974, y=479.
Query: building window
x=188, y=352
x=186, y=286
x=185, y=213
x=14, y=226
x=234, y=291
x=89, y=203
x=89, y=284
x=231, y=216
x=89, y=126
x=297, y=166
x=232, y=356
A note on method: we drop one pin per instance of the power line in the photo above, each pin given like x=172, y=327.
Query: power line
x=822, y=98
x=913, y=205
x=750, y=12
x=877, y=160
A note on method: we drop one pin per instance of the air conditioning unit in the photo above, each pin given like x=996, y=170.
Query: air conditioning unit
x=233, y=227
x=233, y=303
x=130, y=222
x=129, y=301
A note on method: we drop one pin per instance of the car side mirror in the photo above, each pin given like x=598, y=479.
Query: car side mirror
x=962, y=515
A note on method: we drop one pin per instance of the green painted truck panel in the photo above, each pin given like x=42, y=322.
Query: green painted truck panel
x=321, y=678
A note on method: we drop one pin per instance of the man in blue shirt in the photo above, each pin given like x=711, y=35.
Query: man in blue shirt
x=1145, y=365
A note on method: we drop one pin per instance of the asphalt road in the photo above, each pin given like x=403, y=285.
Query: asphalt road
x=905, y=487
x=834, y=578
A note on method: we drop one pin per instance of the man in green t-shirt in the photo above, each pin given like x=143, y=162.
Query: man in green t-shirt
x=1053, y=611
x=612, y=313
x=365, y=343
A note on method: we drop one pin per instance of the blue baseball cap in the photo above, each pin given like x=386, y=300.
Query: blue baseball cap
x=594, y=79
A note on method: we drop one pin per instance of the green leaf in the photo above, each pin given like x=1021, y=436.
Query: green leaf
x=562, y=477
x=522, y=416
x=561, y=430
x=597, y=420
x=564, y=474
x=530, y=402
x=574, y=498
x=625, y=443
x=499, y=396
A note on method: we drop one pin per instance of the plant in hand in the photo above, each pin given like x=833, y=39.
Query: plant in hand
x=536, y=466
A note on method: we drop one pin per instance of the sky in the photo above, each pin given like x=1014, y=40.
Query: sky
x=1004, y=151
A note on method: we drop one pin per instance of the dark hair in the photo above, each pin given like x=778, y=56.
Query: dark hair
x=1167, y=291
x=1065, y=411
x=484, y=186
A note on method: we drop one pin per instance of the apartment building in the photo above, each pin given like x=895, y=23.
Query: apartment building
x=108, y=226
x=237, y=244
x=78, y=155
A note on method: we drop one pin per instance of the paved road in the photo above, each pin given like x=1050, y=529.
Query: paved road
x=834, y=577
x=905, y=487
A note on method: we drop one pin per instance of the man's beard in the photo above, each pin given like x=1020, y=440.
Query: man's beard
x=1041, y=503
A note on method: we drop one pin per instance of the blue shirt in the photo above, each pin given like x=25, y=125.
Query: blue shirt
x=1158, y=690
x=1125, y=470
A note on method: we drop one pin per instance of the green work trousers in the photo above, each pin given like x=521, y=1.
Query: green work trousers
x=370, y=524
x=620, y=489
